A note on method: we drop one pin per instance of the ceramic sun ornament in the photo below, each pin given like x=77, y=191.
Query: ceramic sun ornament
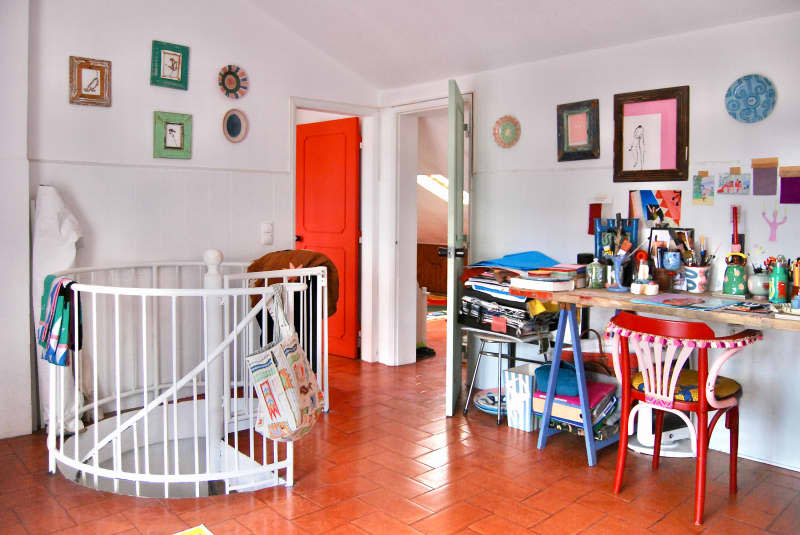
x=506, y=131
x=233, y=81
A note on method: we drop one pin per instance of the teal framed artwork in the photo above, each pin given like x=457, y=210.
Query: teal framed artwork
x=172, y=135
x=578, y=130
x=169, y=65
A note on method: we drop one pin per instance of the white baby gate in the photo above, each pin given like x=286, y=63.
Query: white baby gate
x=160, y=371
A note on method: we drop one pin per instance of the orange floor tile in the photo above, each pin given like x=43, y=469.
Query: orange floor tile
x=386, y=460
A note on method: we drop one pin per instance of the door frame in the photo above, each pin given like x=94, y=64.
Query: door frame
x=393, y=315
x=370, y=164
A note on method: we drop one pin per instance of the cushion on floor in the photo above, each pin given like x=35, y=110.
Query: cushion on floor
x=686, y=389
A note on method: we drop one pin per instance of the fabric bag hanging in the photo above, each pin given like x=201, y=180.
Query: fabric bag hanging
x=287, y=389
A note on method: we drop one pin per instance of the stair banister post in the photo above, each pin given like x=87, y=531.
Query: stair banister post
x=214, y=377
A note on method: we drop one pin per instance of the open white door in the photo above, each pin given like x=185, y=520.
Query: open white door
x=455, y=243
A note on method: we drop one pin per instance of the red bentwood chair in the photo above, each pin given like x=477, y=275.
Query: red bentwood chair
x=662, y=348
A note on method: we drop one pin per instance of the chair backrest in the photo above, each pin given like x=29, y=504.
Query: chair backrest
x=662, y=348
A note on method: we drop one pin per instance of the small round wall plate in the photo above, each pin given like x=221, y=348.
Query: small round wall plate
x=233, y=81
x=506, y=131
x=750, y=98
x=234, y=125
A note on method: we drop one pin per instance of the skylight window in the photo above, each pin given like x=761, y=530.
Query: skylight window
x=438, y=185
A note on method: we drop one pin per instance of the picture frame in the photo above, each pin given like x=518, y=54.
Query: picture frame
x=89, y=81
x=651, y=135
x=578, y=130
x=169, y=65
x=672, y=236
x=172, y=135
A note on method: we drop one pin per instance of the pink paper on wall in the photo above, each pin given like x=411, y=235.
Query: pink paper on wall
x=668, y=110
x=790, y=190
x=577, y=132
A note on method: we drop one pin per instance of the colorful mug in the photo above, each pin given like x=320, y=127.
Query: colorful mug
x=696, y=278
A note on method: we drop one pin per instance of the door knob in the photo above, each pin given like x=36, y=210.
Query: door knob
x=298, y=237
x=449, y=252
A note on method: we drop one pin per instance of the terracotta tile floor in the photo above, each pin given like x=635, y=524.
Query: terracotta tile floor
x=385, y=460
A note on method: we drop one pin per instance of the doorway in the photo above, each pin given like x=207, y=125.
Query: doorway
x=308, y=111
x=422, y=208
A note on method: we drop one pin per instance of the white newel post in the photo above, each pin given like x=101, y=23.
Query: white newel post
x=214, y=381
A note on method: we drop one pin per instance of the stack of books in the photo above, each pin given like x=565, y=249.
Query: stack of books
x=486, y=283
x=558, y=278
x=567, y=415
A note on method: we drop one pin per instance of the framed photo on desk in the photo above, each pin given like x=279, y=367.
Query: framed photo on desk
x=651, y=135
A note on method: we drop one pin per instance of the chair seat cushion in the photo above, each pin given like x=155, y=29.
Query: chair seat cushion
x=686, y=389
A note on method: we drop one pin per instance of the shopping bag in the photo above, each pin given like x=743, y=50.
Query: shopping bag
x=290, y=400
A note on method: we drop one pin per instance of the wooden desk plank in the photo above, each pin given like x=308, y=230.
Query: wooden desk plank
x=605, y=299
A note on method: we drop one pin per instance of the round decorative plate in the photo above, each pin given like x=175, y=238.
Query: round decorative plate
x=486, y=401
x=750, y=98
x=506, y=131
x=234, y=125
x=232, y=81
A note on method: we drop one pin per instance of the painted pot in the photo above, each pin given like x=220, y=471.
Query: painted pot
x=735, y=281
x=758, y=284
x=778, y=282
x=696, y=278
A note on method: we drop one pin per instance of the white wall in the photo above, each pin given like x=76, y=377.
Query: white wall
x=15, y=366
x=135, y=207
x=131, y=206
x=524, y=199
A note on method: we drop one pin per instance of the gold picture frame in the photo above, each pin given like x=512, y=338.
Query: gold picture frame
x=89, y=81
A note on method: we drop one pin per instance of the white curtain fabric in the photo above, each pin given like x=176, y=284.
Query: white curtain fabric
x=55, y=233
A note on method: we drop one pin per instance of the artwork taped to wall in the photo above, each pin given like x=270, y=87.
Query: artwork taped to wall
x=703, y=190
x=734, y=184
x=578, y=130
x=657, y=208
x=790, y=184
x=89, y=81
x=774, y=222
x=172, y=135
x=169, y=65
x=651, y=135
x=765, y=181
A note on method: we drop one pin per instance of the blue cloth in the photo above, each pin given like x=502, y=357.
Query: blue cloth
x=525, y=261
x=566, y=382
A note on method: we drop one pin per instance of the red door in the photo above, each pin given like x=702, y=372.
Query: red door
x=327, y=215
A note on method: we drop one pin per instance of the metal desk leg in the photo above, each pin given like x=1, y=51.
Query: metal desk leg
x=588, y=432
x=499, y=382
x=544, y=429
x=474, y=373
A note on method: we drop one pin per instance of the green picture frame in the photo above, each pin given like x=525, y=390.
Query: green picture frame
x=172, y=135
x=169, y=65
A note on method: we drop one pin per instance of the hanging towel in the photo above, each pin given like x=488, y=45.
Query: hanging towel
x=57, y=320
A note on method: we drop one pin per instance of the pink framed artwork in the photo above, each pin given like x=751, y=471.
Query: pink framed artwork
x=651, y=135
x=577, y=130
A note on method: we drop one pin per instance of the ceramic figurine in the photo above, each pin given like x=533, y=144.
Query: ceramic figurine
x=735, y=281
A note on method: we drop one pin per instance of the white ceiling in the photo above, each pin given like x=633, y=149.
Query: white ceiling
x=393, y=44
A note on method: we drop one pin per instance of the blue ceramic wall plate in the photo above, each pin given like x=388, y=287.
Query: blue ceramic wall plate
x=234, y=125
x=750, y=98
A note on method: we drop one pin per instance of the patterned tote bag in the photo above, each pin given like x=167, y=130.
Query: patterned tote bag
x=287, y=389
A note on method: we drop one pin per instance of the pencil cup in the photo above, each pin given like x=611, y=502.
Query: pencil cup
x=696, y=278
